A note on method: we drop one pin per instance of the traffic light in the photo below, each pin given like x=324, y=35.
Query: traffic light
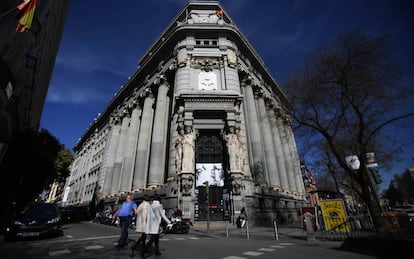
x=375, y=175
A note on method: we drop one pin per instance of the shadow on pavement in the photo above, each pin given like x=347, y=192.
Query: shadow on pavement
x=382, y=249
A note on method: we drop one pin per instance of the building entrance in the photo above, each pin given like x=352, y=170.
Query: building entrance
x=211, y=179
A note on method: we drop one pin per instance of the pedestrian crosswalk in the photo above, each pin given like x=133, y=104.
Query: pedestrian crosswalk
x=259, y=251
x=85, y=246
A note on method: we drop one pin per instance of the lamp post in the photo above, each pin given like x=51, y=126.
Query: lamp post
x=208, y=206
x=331, y=169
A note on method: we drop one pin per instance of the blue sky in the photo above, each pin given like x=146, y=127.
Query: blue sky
x=103, y=41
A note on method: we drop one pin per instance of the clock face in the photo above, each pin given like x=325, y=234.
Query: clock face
x=207, y=81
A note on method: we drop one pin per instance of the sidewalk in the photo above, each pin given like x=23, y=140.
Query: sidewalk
x=231, y=231
x=378, y=248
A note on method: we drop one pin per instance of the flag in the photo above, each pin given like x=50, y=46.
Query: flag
x=25, y=15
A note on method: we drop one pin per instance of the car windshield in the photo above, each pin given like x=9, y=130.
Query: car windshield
x=41, y=211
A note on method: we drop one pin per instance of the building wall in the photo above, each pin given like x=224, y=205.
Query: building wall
x=201, y=76
x=26, y=64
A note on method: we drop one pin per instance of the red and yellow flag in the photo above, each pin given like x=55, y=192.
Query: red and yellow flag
x=25, y=15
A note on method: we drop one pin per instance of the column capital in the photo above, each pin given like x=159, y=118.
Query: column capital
x=161, y=80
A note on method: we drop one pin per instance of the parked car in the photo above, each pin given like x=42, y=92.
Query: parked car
x=70, y=214
x=408, y=209
x=37, y=220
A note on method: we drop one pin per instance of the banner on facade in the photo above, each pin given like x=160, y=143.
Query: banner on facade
x=65, y=194
x=334, y=215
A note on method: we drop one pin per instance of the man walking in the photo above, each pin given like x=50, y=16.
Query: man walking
x=125, y=213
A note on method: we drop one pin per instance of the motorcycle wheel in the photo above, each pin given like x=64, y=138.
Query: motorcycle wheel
x=184, y=229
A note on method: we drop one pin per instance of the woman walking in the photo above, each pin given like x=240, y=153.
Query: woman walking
x=155, y=214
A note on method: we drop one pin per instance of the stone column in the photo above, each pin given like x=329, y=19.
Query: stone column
x=283, y=151
x=281, y=168
x=295, y=158
x=159, y=137
x=131, y=145
x=116, y=176
x=287, y=154
x=113, y=146
x=254, y=134
x=271, y=164
x=143, y=147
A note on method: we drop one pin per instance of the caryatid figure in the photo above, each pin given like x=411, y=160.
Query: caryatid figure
x=234, y=149
x=179, y=150
x=188, y=150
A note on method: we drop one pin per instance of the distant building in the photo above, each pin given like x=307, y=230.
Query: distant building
x=26, y=65
x=201, y=117
x=400, y=190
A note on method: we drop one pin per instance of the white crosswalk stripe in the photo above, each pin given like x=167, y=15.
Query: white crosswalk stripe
x=277, y=246
x=266, y=249
x=59, y=252
x=252, y=253
x=234, y=257
x=94, y=247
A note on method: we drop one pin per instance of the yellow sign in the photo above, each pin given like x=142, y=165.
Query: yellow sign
x=334, y=215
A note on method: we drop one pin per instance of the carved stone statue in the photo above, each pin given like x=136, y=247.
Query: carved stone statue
x=235, y=149
x=188, y=150
x=179, y=151
x=236, y=185
x=186, y=185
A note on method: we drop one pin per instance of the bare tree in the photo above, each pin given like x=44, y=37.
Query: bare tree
x=344, y=96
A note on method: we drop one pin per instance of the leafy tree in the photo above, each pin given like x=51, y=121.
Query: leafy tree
x=29, y=165
x=62, y=163
x=341, y=100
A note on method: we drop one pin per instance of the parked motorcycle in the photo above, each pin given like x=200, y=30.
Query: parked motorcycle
x=178, y=226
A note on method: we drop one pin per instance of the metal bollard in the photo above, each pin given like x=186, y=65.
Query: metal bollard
x=275, y=226
x=227, y=229
x=247, y=229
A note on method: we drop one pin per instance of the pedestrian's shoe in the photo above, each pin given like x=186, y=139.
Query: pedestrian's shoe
x=158, y=253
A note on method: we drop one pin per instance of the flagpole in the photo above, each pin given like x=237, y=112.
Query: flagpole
x=7, y=12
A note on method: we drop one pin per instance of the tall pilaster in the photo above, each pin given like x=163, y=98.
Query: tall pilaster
x=144, y=141
x=182, y=76
x=283, y=150
x=288, y=155
x=113, y=146
x=159, y=137
x=271, y=164
x=116, y=176
x=131, y=145
x=254, y=134
x=281, y=168
x=231, y=75
x=295, y=157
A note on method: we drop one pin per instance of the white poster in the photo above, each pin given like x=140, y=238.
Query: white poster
x=211, y=173
x=353, y=162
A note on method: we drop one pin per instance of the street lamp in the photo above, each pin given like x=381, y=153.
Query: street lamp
x=332, y=171
x=208, y=206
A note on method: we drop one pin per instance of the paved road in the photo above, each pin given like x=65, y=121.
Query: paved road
x=89, y=240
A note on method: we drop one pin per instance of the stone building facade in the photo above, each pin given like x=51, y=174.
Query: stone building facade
x=201, y=122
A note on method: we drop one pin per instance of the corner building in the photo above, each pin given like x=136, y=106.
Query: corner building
x=201, y=122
